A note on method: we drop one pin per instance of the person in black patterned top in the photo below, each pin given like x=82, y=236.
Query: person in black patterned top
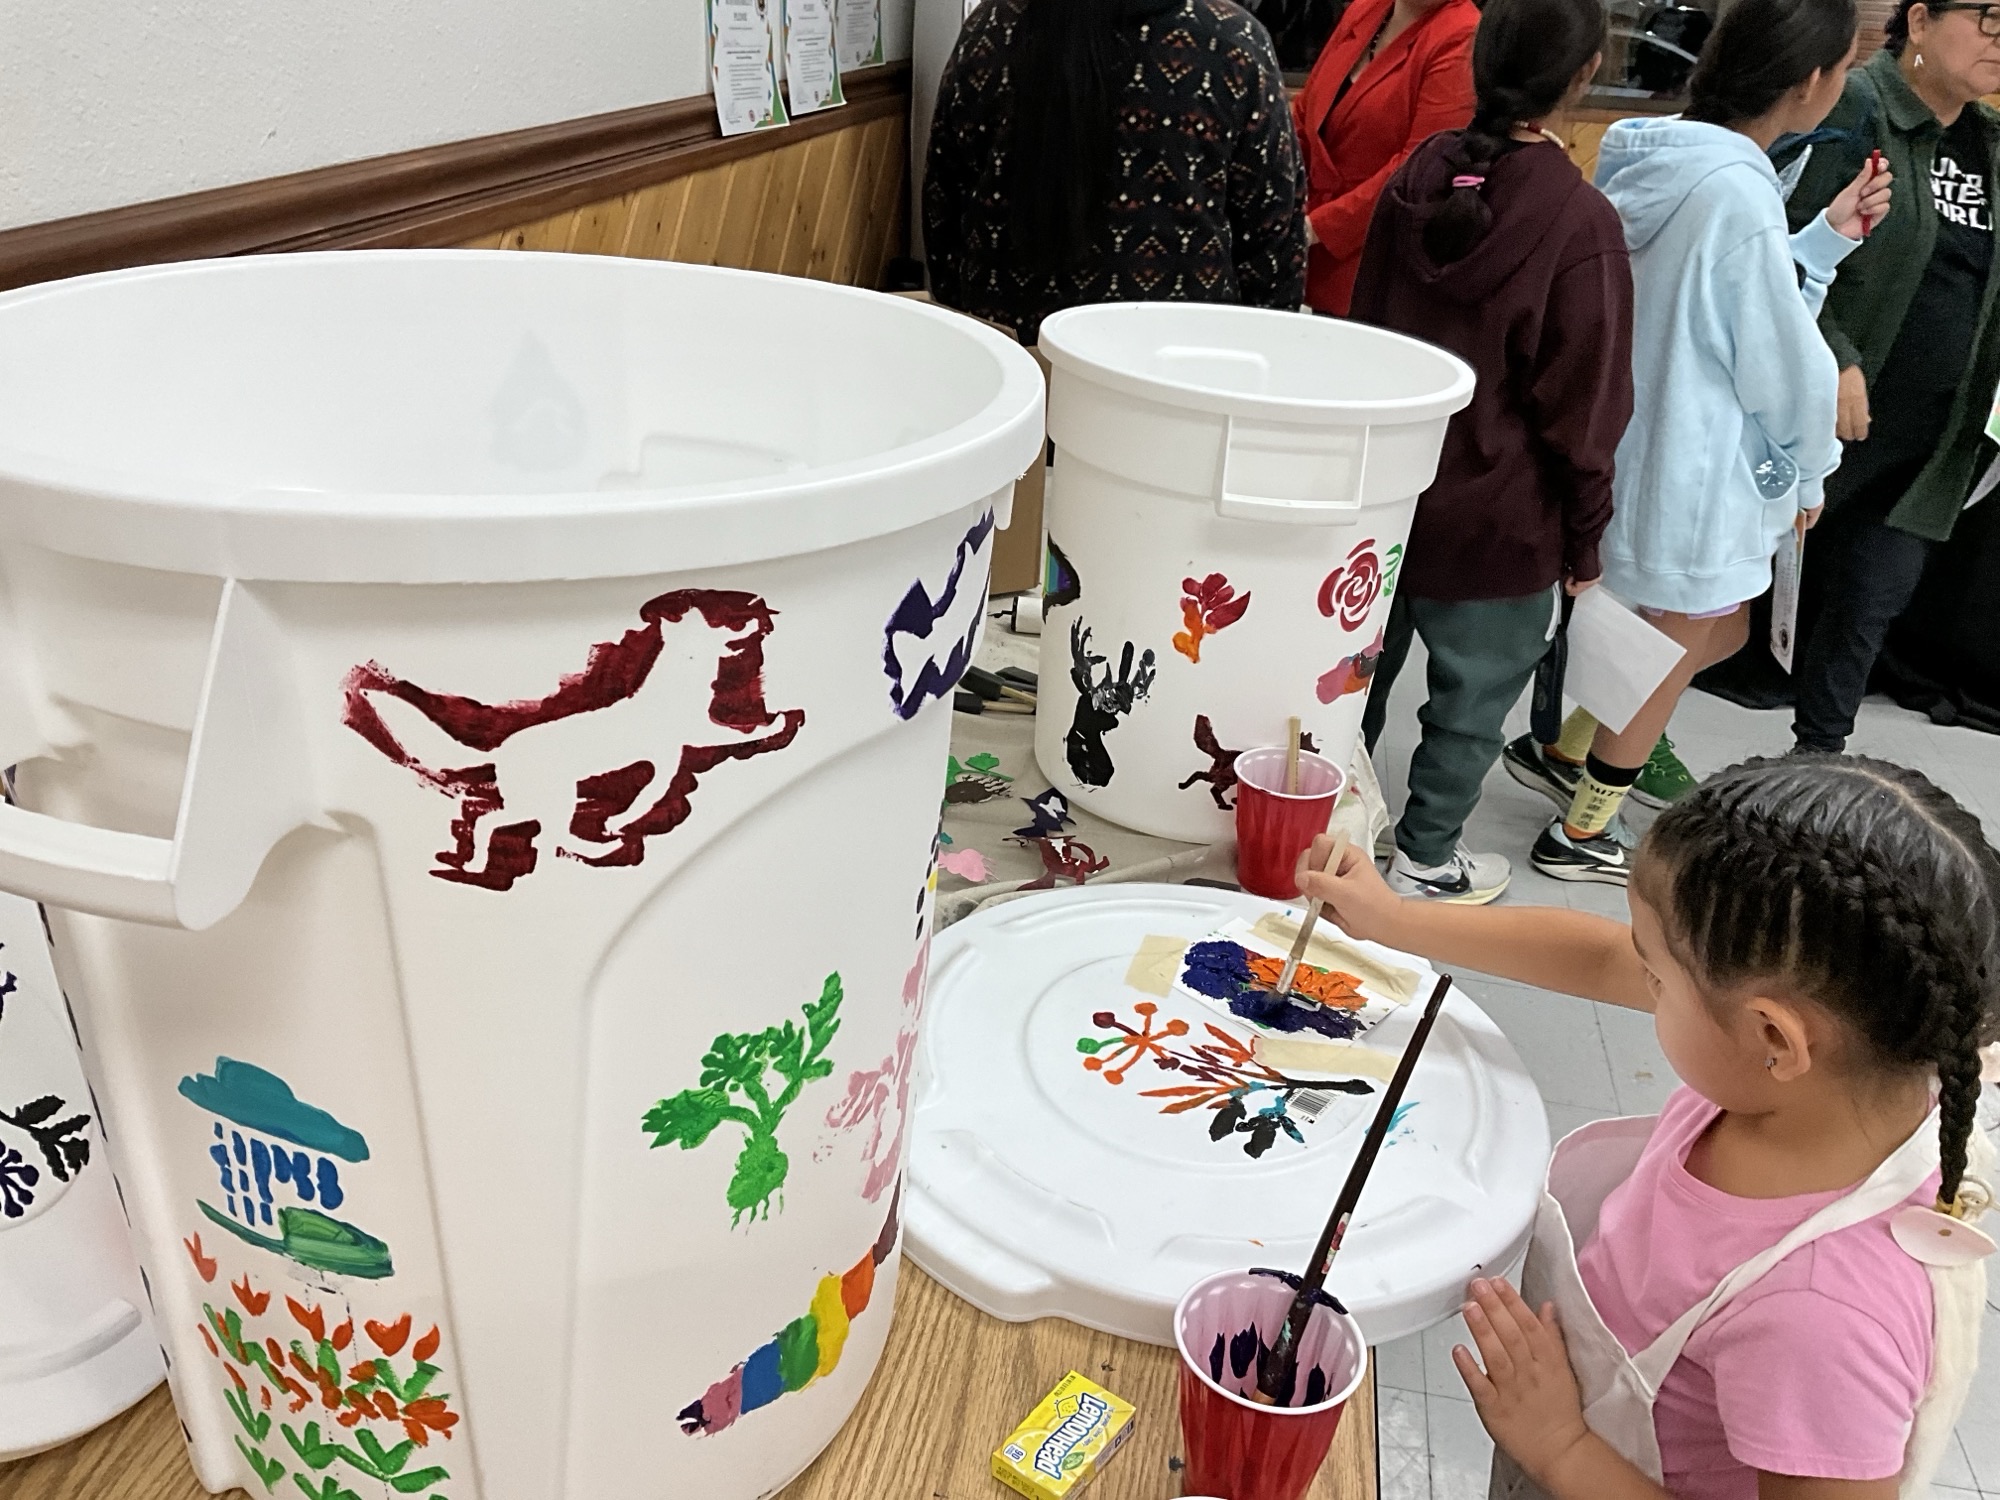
x=1112, y=150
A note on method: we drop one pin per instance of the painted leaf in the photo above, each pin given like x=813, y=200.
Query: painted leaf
x=311, y=1319
x=1222, y=615
x=32, y=1114
x=419, y=1382
x=688, y=1119
x=733, y=1060
x=387, y=1461
x=427, y=1345
x=389, y=1337
x=269, y=1470
x=204, y=1265
x=422, y=1479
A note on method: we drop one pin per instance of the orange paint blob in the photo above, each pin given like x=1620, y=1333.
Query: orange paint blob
x=857, y=1286
x=1327, y=986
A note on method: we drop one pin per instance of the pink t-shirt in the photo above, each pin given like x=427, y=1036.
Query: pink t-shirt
x=1815, y=1370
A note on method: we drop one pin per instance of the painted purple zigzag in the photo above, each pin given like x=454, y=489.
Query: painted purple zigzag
x=918, y=615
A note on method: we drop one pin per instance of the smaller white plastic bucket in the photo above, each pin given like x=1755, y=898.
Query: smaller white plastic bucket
x=76, y=1345
x=1205, y=457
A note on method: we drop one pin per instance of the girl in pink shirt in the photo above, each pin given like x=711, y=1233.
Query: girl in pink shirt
x=1818, y=939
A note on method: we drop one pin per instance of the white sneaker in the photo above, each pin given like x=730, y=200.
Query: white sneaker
x=1467, y=879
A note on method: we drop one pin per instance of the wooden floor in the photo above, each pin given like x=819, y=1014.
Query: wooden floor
x=975, y=1377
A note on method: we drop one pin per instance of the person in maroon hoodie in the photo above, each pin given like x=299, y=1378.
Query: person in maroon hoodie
x=1490, y=243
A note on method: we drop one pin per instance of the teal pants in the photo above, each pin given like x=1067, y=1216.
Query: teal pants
x=1482, y=657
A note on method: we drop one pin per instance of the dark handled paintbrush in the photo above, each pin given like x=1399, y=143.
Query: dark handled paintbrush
x=1278, y=1369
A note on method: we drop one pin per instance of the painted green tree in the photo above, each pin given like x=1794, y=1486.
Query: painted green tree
x=751, y=1079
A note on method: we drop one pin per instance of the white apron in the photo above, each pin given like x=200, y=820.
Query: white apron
x=1619, y=1389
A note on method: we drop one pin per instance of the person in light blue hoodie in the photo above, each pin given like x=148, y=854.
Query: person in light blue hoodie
x=1735, y=390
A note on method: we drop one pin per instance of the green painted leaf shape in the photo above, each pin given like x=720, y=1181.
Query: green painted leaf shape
x=688, y=1119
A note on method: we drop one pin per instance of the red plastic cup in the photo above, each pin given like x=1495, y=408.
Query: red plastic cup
x=1236, y=1447
x=1273, y=826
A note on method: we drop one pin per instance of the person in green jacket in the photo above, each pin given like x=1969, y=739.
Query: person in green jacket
x=1911, y=321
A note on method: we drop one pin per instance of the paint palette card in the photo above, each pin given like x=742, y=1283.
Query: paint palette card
x=1340, y=995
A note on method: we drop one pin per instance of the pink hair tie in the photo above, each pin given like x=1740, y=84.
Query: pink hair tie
x=1468, y=181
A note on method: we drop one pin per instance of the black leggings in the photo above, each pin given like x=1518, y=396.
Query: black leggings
x=1869, y=572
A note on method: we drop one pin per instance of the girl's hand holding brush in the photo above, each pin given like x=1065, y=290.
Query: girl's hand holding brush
x=1355, y=897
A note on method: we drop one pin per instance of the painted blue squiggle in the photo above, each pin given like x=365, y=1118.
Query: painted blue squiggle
x=917, y=615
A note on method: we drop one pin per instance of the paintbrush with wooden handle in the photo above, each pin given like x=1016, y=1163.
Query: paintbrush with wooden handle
x=1291, y=969
x=1278, y=1369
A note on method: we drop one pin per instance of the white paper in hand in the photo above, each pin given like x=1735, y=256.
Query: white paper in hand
x=1785, y=596
x=1616, y=660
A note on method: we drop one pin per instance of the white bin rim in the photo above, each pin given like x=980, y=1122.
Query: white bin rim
x=1257, y=363
x=980, y=427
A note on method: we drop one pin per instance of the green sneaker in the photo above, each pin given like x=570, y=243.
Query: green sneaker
x=1663, y=779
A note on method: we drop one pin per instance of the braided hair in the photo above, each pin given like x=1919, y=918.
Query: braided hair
x=1860, y=884
x=1525, y=58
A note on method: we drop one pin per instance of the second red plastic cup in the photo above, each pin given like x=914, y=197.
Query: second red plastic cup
x=1235, y=1446
x=1273, y=826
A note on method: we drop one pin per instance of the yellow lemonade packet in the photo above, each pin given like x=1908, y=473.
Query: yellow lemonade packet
x=1061, y=1444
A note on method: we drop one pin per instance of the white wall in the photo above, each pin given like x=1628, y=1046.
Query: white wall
x=109, y=102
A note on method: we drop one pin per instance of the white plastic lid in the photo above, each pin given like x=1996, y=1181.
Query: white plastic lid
x=1256, y=363
x=479, y=416
x=1038, y=1187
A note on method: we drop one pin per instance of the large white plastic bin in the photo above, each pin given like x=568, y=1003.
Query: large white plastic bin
x=482, y=713
x=1205, y=455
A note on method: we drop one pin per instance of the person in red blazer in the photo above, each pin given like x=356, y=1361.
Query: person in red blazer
x=1393, y=74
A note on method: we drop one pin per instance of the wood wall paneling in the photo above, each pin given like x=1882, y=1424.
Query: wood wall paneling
x=607, y=185
x=829, y=207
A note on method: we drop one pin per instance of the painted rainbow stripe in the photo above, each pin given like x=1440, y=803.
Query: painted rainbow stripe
x=803, y=1350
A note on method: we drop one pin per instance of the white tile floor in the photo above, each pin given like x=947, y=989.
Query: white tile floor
x=1591, y=1060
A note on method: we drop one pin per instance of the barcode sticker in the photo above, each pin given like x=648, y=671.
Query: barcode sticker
x=1310, y=1103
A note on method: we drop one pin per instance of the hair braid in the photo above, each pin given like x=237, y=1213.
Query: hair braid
x=1857, y=883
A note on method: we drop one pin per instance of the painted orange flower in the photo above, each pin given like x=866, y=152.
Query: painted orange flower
x=1207, y=605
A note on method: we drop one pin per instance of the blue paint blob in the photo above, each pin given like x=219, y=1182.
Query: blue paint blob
x=1280, y=1014
x=1243, y=1348
x=236, y=1140
x=331, y=1194
x=1217, y=969
x=219, y=1153
x=762, y=1381
x=260, y=1163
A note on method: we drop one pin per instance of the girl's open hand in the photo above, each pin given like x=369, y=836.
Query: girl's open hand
x=1526, y=1394
x=1357, y=899
x=1863, y=203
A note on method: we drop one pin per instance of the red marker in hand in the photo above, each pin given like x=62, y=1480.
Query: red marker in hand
x=1875, y=165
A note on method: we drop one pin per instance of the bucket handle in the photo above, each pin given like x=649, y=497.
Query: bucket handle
x=247, y=784
x=1237, y=506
